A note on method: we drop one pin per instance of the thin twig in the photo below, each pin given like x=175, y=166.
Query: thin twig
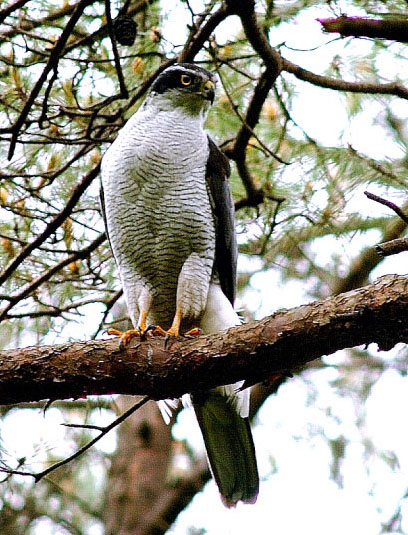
x=85, y=426
x=52, y=225
x=247, y=130
x=109, y=305
x=390, y=204
x=103, y=431
x=197, y=40
x=122, y=85
x=52, y=63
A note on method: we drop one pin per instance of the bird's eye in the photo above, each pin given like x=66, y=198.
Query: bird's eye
x=186, y=79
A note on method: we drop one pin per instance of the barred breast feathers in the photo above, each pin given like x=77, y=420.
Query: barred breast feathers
x=157, y=205
x=157, y=145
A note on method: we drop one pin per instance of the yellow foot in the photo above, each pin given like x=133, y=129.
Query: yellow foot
x=156, y=330
x=174, y=333
x=194, y=332
x=141, y=331
x=126, y=336
x=159, y=331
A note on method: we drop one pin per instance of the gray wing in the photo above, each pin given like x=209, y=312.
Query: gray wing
x=226, y=250
x=103, y=212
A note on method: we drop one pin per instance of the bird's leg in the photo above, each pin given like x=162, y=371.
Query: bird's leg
x=175, y=326
x=142, y=323
x=126, y=336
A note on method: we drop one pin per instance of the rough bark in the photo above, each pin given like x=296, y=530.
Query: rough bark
x=279, y=343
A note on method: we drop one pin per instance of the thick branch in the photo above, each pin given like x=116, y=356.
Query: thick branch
x=394, y=28
x=288, y=339
x=392, y=247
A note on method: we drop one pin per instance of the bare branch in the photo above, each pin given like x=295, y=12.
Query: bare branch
x=52, y=226
x=393, y=28
x=392, y=247
x=122, y=85
x=390, y=204
x=391, y=88
x=103, y=431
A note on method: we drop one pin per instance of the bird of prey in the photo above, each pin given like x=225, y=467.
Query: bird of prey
x=169, y=217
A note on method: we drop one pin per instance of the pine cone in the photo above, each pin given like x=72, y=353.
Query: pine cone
x=125, y=30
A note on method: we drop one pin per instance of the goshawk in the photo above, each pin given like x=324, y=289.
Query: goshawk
x=170, y=220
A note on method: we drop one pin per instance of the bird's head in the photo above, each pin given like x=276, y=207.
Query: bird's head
x=185, y=85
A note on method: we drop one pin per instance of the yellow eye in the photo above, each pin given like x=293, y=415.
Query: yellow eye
x=186, y=79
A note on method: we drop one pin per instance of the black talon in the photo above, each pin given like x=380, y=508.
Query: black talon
x=144, y=333
x=166, y=340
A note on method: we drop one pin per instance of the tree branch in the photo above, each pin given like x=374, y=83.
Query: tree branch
x=102, y=432
x=198, y=38
x=4, y=13
x=121, y=79
x=390, y=88
x=52, y=225
x=245, y=9
x=388, y=203
x=392, y=247
x=52, y=64
x=393, y=28
x=46, y=275
x=368, y=259
x=288, y=339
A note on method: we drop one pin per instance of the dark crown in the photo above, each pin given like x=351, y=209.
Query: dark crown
x=171, y=77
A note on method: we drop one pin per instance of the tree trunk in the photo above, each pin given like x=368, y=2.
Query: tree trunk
x=139, y=470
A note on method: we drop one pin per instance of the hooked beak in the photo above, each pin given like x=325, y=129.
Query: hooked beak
x=209, y=90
